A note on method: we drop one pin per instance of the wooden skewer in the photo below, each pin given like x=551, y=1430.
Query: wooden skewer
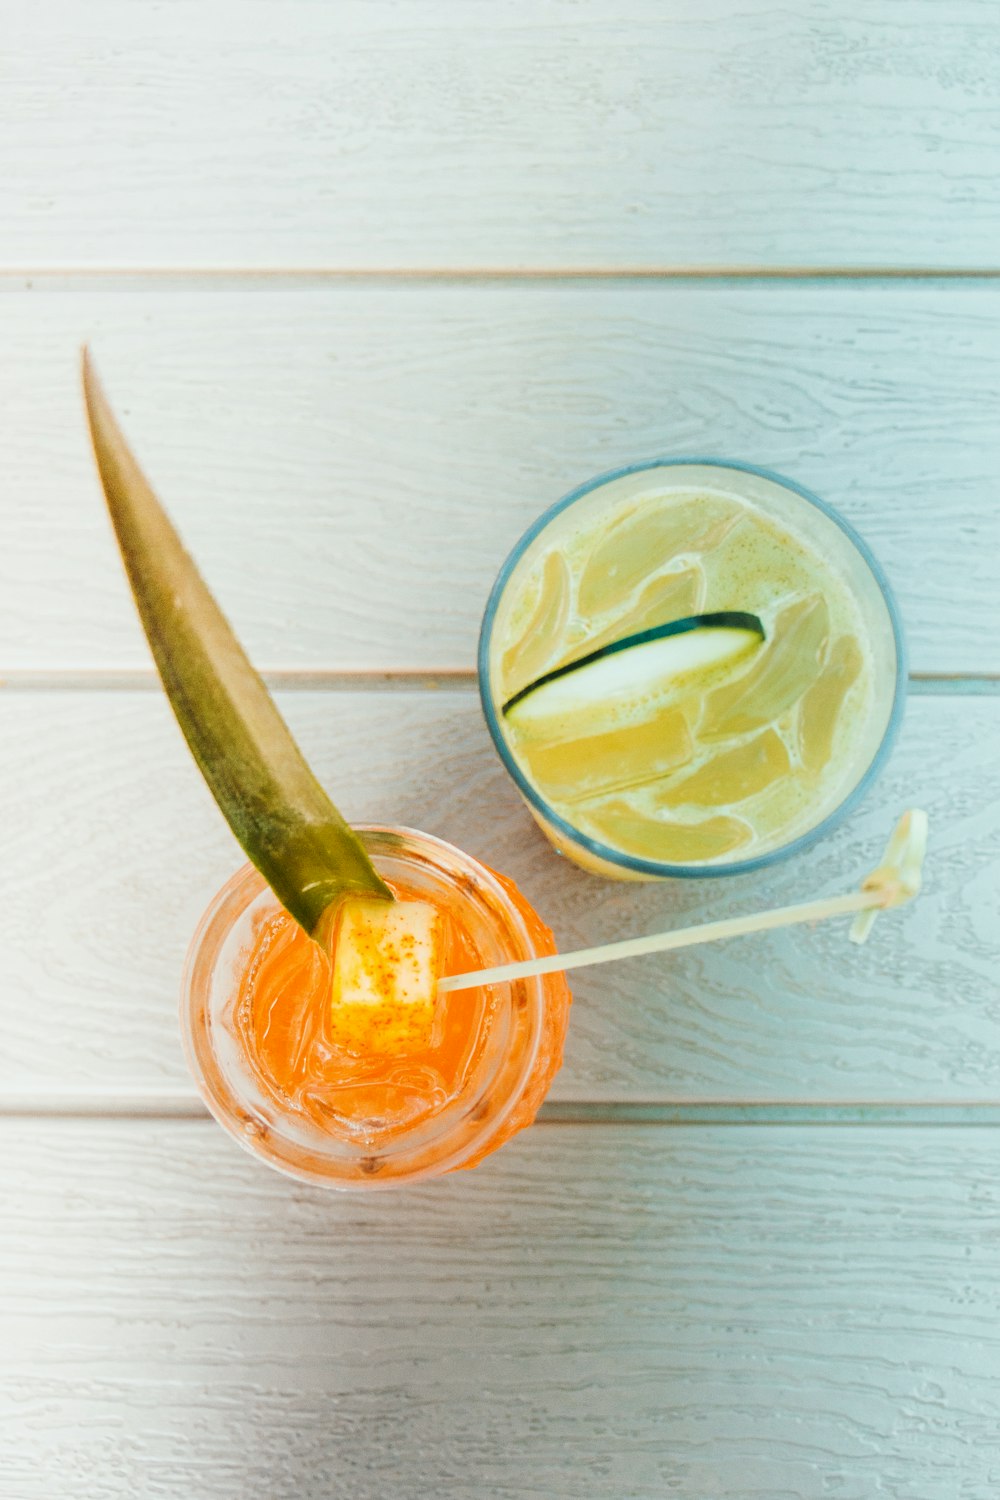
x=896, y=880
x=662, y=942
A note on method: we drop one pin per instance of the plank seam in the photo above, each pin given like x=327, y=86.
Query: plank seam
x=183, y=1106
x=317, y=679
x=307, y=680
x=464, y=274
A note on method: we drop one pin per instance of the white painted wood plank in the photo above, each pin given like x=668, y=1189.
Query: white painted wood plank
x=375, y=133
x=351, y=463
x=112, y=847
x=597, y=1312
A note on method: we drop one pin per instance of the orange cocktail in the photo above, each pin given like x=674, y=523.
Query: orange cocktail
x=338, y=1109
x=311, y=1011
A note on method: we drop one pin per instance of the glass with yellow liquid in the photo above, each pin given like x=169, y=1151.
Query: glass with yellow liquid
x=722, y=767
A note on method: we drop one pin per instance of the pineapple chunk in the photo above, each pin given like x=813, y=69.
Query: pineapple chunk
x=386, y=966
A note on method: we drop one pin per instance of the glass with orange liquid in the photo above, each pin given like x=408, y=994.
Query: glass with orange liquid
x=255, y=1017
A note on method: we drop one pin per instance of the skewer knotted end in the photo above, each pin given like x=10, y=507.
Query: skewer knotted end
x=898, y=877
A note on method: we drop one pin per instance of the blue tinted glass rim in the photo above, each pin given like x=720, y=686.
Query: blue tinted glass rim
x=657, y=868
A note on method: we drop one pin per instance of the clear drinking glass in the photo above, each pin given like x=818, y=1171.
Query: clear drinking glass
x=523, y=1048
x=797, y=512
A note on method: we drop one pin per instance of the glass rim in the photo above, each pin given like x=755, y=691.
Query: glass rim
x=200, y=953
x=631, y=863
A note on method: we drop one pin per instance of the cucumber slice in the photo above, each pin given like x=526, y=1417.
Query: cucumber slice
x=629, y=672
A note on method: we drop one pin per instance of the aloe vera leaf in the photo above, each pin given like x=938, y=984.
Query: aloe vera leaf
x=268, y=795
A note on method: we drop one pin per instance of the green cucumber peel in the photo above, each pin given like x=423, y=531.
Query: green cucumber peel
x=267, y=793
x=726, y=619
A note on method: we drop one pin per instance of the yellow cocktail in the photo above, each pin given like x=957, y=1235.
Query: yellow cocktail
x=690, y=668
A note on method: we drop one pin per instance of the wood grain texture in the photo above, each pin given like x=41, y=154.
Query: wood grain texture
x=374, y=133
x=610, y=1312
x=594, y=1313
x=117, y=848
x=350, y=464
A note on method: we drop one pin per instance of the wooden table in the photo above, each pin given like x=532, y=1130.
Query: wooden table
x=372, y=283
